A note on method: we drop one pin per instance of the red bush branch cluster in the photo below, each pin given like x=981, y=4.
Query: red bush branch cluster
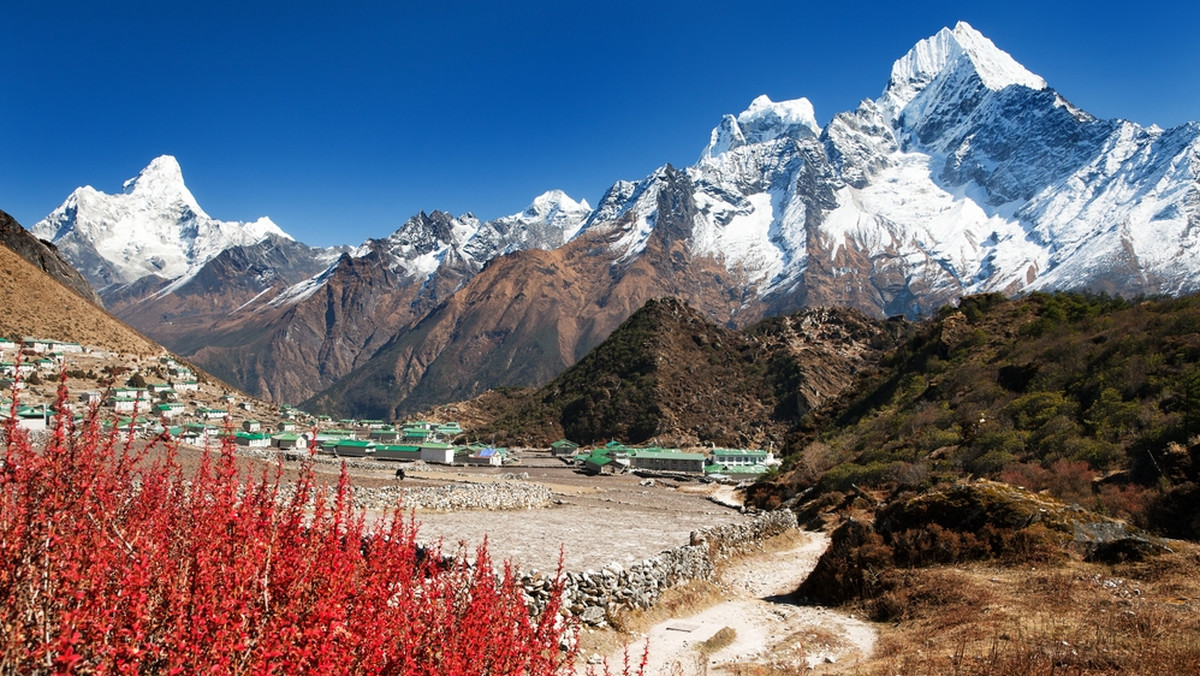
x=113, y=561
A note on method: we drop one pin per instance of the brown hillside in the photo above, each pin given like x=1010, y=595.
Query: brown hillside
x=671, y=374
x=34, y=304
x=527, y=316
x=44, y=256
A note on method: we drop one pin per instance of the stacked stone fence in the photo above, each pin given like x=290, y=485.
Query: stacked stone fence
x=595, y=595
x=500, y=495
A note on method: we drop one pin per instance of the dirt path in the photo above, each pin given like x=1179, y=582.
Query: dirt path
x=770, y=629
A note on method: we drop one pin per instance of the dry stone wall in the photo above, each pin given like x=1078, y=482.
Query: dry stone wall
x=595, y=595
x=500, y=495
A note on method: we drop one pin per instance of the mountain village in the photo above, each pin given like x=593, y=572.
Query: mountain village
x=164, y=399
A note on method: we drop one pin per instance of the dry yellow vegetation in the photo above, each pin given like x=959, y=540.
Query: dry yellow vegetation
x=34, y=304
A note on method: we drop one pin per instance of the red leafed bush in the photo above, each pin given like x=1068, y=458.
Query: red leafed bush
x=114, y=562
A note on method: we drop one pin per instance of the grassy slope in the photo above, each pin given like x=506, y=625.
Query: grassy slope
x=1090, y=399
x=1048, y=392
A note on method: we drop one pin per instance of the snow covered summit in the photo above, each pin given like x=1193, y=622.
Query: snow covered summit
x=959, y=53
x=765, y=120
x=154, y=227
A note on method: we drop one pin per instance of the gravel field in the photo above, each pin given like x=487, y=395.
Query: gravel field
x=594, y=520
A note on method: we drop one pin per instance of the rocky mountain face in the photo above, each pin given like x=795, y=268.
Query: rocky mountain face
x=247, y=302
x=527, y=316
x=44, y=256
x=312, y=334
x=967, y=174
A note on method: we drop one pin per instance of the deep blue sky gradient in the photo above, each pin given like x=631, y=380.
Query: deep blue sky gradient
x=340, y=120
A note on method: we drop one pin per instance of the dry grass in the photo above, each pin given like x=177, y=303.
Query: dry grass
x=627, y=627
x=1073, y=617
x=35, y=304
x=724, y=638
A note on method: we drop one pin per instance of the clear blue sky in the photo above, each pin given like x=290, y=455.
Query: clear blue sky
x=340, y=120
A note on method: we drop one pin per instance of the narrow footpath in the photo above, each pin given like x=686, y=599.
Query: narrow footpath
x=771, y=630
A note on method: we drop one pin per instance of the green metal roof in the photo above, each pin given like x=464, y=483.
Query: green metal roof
x=726, y=452
x=659, y=454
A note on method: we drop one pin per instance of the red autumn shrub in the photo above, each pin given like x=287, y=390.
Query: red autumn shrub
x=113, y=562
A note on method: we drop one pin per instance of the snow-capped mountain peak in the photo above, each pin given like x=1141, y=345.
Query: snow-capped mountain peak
x=557, y=210
x=969, y=174
x=553, y=200
x=427, y=243
x=162, y=181
x=154, y=227
x=765, y=120
x=948, y=51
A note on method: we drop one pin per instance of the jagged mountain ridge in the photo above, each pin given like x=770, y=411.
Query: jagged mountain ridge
x=967, y=174
x=310, y=335
x=247, y=302
x=933, y=191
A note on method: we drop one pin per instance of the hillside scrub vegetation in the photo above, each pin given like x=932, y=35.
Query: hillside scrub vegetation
x=1094, y=399
x=670, y=374
x=113, y=560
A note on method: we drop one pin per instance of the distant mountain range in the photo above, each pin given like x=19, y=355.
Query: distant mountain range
x=967, y=174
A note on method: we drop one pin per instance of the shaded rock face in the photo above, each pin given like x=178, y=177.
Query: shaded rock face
x=528, y=315
x=288, y=351
x=45, y=256
x=283, y=320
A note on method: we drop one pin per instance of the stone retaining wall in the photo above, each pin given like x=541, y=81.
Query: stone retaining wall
x=500, y=495
x=594, y=595
x=454, y=497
